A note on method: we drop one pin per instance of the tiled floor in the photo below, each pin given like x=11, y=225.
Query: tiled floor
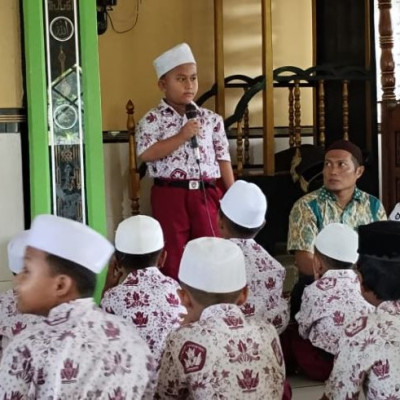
x=305, y=389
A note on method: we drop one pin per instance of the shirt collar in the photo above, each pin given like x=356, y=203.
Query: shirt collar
x=325, y=194
x=390, y=307
x=339, y=273
x=74, y=306
x=165, y=108
x=218, y=311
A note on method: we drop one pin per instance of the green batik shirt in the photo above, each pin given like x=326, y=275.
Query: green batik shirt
x=317, y=209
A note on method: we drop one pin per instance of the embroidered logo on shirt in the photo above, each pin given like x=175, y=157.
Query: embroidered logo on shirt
x=356, y=327
x=192, y=357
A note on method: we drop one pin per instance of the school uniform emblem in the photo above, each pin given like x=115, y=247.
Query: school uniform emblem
x=192, y=357
x=356, y=327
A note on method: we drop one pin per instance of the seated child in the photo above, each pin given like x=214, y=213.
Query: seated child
x=330, y=302
x=11, y=321
x=145, y=297
x=77, y=351
x=241, y=216
x=369, y=352
x=218, y=353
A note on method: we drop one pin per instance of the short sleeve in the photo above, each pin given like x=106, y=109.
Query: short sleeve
x=302, y=228
x=220, y=141
x=147, y=132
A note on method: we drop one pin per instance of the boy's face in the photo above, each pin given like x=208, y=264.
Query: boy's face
x=180, y=85
x=35, y=285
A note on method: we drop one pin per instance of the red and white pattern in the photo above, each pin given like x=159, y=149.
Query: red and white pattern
x=328, y=305
x=162, y=122
x=369, y=357
x=222, y=356
x=265, y=277
x=78, y=352
x=12, y=322
x=149, y=300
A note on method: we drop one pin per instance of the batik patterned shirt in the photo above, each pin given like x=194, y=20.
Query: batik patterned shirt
x=12, y=322
x=265, y=277
x=147, y=299
x=328, y=305
x=78, y=352
x=222, y=356
x=317, y=209
x=164, y=122
x=369, y=357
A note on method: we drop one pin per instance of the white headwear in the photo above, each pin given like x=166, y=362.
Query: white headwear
x=16, y=252
x=245, y=204
x=139, y=235
x=71, y=240
x=178, y=55
x=338, y=241
x=213, y=265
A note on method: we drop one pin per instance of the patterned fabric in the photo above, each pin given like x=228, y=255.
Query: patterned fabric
x=369, y=357
x=163, y=122
x=328, y=305
x=319, y=208
x=265, y=278
x=222, y=356
x=12, y=322
x=77, y=352
x=149, y=300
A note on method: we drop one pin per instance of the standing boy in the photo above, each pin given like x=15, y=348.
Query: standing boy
x=145, y=297
x=369, y=352
x=241, y=216
x=219, y=353
x=186, y=153
x=78, y=351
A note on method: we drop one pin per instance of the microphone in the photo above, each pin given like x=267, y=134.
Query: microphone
x=191, y=113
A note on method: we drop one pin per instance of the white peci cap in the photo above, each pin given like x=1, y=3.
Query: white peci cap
x=139, y=235
x=16, y=252
x=244, y=204
x=213, y=265
x=71, y=240
x=178, y=55
x=338, y=241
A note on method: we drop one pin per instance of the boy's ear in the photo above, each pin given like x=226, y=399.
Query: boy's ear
x=185, y=299
x=162, y=258
x=244, y=294
x=161, y=84
x=64, y=285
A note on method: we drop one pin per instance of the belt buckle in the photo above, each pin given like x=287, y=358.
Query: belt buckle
x=194, y=185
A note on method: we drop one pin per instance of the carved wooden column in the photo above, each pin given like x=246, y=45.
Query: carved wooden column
x=390, y=124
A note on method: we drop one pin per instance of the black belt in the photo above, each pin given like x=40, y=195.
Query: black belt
x=185, y=183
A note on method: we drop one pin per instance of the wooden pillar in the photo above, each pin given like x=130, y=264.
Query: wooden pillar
x=219, y=56
x=268, y=95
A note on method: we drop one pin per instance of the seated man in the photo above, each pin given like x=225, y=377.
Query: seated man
x=339, y=200
x=329, y=303
x=369, y=353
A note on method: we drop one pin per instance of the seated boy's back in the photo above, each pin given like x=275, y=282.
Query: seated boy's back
x=145, y=297
x=240, y=218
x=265, y=277
x=219, y=354
x=328, y=305
x=148, y=300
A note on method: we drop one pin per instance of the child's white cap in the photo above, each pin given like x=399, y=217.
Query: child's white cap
x=338, y=241
x=245, y=204
x=178, y=55
x=213, y=265
x=71, y=240
x=16, y=252
x=139, y=235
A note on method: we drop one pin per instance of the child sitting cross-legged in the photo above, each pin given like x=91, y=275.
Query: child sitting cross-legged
x=218, y=353
x=369, y=352
x=332, y=301
x=141, y=294
x=241, y=216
